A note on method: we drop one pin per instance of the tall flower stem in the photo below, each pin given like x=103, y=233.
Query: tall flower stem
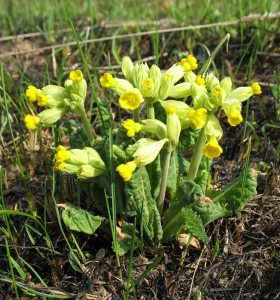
x=88, y=129
x=151, y=111
x=164, y=180
x=197, y=155
x=136, y=115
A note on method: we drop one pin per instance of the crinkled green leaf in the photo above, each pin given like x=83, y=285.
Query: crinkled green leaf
x=96, y=195
x=124, y=245
x=202, y=177
x=104, y=118
x=77, y=135
x=226, y=202
x=139, y=201
x=80, y=220
x=155, y=173
x=183, y=220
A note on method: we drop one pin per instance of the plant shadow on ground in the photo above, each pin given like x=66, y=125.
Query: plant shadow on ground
x=240, y=262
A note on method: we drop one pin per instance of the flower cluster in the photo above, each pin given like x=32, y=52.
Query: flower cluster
x=206, y=93
x=57, y=100
x=85, y=163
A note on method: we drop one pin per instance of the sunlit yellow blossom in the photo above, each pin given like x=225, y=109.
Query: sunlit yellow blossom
x=197, y=117
x=61, y=154
x=132, y=127
x=31, y=93
x=200, y=80
x=76, y=76
x=59, y=165
x=217, y=91
x=256, y=88
x=148, y=84
x=108, y=81
x=42, y=99
x=31, y=122
x=189, y=64
x=234, y=116
x=212, y=148
x=131, y=99
x=126, y=170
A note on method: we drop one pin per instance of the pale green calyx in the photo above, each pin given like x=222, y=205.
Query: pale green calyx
x=156, y=127
x=147, y=150
x=213, y=127
x=52, y=115
x=127, y=67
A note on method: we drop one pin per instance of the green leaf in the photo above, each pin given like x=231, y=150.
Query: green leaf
x=183, y=220
x=96, y=195
x=77, y=135
x=80, y=220
x=139, y=201
x=18, y=268
x=124, y=245
x=104, y=119
x=155, y=173
x=226, y=202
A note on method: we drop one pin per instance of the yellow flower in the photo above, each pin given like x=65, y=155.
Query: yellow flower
x=76, y=76
x=217, y=91
x=148, y=84
x=61, y=154
x=200, y=80
x=256, y=89
x=234, y=116
x=31, y=93
x=59, y=165
x=31, y=122
x=212, y=148
x=126, y=170
x=108, y=81
x=42, y=99
x=189, y=64
x=131, y=99
x=132, y=127
x=197, y=117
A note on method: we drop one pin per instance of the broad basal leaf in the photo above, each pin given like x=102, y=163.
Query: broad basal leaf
x=226, y=202
x=183, y=220
x=79, y=219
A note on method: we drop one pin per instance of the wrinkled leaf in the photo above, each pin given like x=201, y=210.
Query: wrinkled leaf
x=80, y=220
x=183, y=220
x=228, y=201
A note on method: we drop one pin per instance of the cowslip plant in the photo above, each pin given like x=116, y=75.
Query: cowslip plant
x=143, y=165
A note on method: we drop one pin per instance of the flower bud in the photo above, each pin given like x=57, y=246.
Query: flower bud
x=176, y=73
x=173, y=125
x=211, y=81
x=165, y=86
x=226, y=85
x=139, y=74
x=127, y=67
